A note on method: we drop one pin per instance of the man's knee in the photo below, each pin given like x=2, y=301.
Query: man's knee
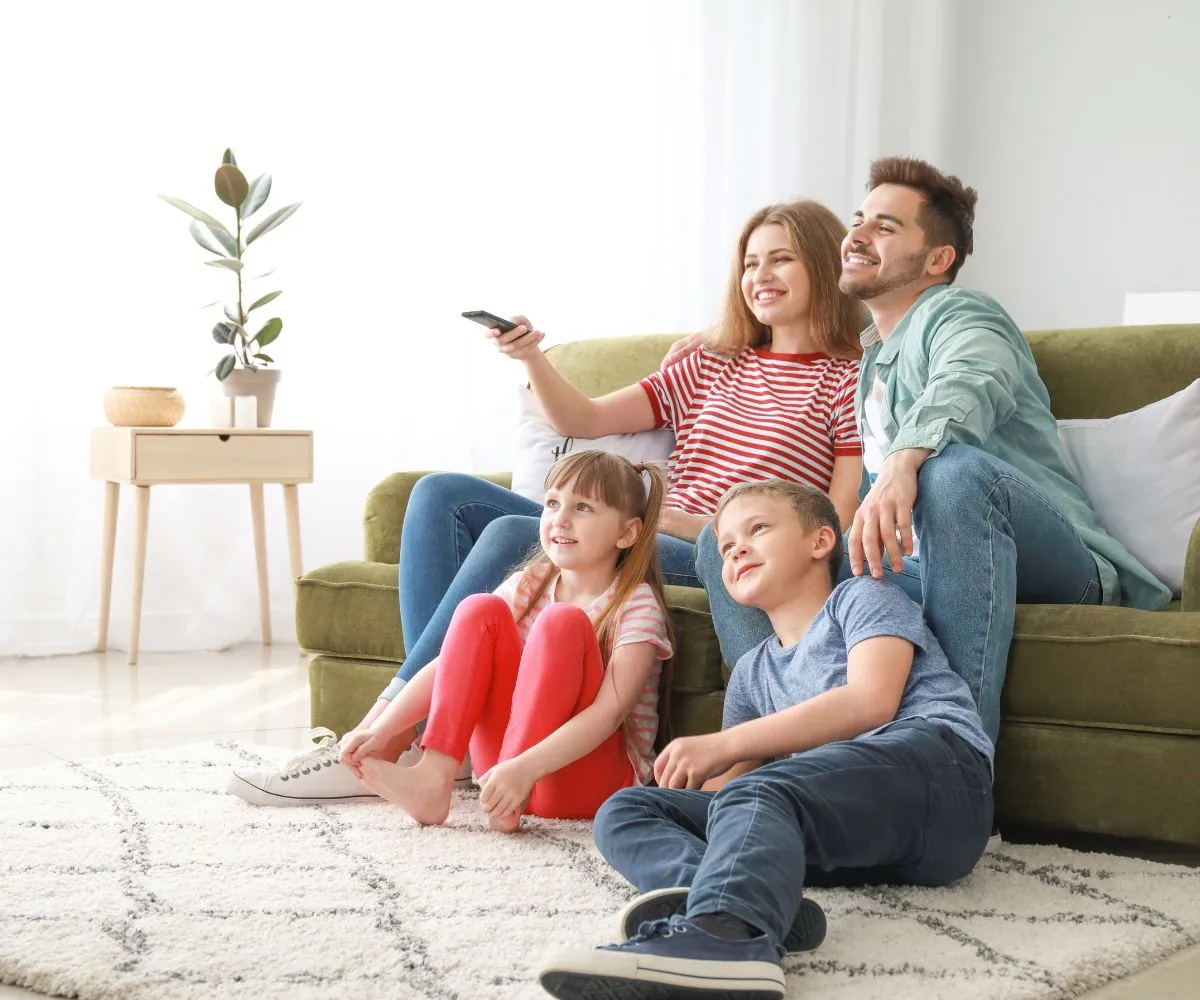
x=944, y=479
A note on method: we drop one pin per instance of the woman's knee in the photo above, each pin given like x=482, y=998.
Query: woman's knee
x=708, y=557
x=441, y=491
x=517, y=533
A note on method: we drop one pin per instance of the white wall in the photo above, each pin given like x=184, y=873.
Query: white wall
x=1078, y=121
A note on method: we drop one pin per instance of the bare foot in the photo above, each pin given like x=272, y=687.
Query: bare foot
x=508, y=823
x=423, y=791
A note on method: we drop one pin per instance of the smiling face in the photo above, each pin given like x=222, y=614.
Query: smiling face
x=886, y=249
x=775, y=282
x=767, y=554
x=579, y=532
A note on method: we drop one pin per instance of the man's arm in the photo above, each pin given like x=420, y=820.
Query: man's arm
x=973, y=378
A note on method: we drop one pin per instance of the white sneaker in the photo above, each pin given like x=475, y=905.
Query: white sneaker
x=312, y=779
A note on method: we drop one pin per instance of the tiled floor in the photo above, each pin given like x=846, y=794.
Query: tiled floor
x=94, y=704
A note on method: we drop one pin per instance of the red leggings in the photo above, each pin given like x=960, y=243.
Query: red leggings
x=501, y=699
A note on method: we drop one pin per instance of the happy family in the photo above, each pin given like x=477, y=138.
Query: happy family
x=866, y=480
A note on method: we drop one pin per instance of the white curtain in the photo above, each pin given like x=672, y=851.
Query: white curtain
x=589, y=165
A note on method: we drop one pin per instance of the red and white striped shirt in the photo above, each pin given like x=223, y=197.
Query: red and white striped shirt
x=641, y=621
x=755, y=416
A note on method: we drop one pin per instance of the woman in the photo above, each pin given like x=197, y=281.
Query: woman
x=769, y=394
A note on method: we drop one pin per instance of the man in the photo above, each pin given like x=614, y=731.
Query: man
x=960, y=449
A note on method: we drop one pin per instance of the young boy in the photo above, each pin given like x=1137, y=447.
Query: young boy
x=850, y=754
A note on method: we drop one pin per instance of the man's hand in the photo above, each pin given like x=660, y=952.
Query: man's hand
x=505, y=788
x=883, y=522
x=681, y=524
x=688, y=762
x=680, y=349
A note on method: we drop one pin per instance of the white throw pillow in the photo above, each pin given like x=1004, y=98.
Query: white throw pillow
x=1141, y=470
x=539, y=446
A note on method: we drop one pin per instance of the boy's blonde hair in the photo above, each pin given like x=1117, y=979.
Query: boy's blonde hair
x=812, y=506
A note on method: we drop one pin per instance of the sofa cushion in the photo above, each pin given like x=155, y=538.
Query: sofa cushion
x=351, y=609
x=1141, y=471
x=1104, y=667
x=697, y=662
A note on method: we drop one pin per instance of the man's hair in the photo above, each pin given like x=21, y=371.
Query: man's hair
x=948, y=212
x=812, y=506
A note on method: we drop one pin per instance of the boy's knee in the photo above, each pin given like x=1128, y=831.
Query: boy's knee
x=613, y=815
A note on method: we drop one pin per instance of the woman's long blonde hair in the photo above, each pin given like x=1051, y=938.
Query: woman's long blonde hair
x=815, y=235
x=615, y=482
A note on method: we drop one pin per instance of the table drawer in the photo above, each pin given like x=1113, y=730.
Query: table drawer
x=186, y=458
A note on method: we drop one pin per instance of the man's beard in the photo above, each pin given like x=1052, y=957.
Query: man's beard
x=904, y=272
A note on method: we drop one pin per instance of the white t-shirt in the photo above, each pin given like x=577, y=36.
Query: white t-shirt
x=875, y=443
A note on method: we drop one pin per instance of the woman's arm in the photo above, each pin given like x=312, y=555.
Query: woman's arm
x=628, y=670
x=843, y=487
x=568, y=410
x=682, y=524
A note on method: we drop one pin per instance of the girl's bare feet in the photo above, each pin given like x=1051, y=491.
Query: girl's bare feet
x=424, y=791
x=509, y=823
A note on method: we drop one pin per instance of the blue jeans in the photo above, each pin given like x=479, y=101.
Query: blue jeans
x=989, y=539
x=911, y=804
x=463, y=535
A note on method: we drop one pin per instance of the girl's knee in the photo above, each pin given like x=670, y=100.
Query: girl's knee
x=563, y=620
x=483, y=609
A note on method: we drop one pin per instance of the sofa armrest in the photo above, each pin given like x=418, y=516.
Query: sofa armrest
x=1191, y=572
x=384, y=513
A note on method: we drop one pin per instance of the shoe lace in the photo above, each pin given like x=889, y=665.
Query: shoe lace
x=663, y=927
x=324, y=754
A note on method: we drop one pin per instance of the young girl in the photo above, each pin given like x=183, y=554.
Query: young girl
x=552, y=681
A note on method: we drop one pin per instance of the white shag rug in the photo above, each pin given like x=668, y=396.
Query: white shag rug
x=137, y=876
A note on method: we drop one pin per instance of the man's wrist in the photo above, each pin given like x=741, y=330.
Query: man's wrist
x=910, y=459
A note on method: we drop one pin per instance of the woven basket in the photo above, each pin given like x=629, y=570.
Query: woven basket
x=143, y=406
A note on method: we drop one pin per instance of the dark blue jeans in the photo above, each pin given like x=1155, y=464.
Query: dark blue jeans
x=989, y=538
x=463, y=535
x=911, y=805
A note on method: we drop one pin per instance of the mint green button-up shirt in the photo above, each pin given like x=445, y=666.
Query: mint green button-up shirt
x=956, y=370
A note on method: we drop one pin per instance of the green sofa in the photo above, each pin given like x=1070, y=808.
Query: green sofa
x=1101, y=709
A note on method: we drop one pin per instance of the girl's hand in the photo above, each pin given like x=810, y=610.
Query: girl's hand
x=505, y=788
x=359, y=745
x=521, y=343
x=689, y=761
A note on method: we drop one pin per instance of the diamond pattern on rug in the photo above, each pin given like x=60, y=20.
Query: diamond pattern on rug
x=137, y=876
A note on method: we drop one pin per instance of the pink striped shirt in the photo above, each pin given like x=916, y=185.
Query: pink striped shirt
x=757, y=415
x=641, y=621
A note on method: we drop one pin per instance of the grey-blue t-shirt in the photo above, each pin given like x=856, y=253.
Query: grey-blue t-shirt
x=769, y=678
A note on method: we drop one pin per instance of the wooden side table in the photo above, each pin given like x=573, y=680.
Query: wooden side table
x=142, y=457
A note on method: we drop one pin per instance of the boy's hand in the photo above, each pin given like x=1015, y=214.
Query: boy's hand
x=505, y=788
x=688, y=762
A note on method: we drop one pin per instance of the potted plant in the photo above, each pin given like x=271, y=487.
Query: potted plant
x=244, y=370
